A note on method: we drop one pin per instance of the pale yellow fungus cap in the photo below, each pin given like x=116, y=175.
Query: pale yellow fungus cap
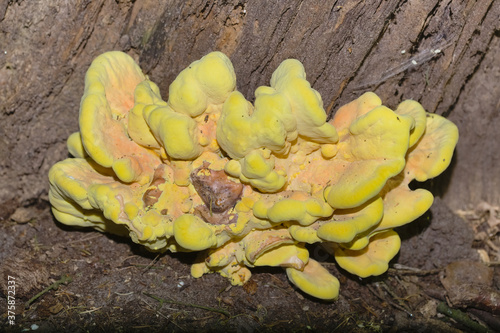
x=308, y=234
x=348, y=113
x=401, y=204
x=347, y=223
x=110, y=83
x=291, y=255
x=206, y=81
x=147, y=98
x=176, y=132
x=257, y=169
x=374, y=258
x=75, y=145
x=429, y=157
x=306, y=103
x=69, y=196
x=292, y=209
x=243, y=128
x=432, y=154
x=315, y=280
x=417, y=112
x=273, y=247
x=373, y=148
x=193, y=234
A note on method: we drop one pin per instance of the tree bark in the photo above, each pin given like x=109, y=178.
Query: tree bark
x=444, y=54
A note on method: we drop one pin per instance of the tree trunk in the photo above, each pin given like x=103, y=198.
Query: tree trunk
x=444, y=54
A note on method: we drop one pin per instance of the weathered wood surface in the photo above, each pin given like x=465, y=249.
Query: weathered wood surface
x=445, y=54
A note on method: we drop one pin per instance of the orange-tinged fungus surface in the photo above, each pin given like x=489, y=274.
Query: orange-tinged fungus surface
x=247, y=184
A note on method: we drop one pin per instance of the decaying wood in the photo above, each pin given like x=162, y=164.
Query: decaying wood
x=216, y=189
x=445, y=54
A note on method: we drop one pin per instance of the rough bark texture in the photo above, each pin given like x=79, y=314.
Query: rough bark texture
x=347, y=47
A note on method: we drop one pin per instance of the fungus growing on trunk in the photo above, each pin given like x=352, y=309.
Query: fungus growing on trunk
x=247, y=184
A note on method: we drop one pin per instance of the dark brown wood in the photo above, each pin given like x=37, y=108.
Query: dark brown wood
x=445, y=54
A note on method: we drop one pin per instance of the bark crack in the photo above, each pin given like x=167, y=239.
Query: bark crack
x=380, y=35
x=284, y=35
x=421, y=34
x=482, y=54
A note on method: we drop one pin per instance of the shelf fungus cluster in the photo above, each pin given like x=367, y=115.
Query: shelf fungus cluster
x=247, y=184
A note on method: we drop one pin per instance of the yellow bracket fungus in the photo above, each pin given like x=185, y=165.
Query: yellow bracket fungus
x=247, y=184
x=374, y=258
